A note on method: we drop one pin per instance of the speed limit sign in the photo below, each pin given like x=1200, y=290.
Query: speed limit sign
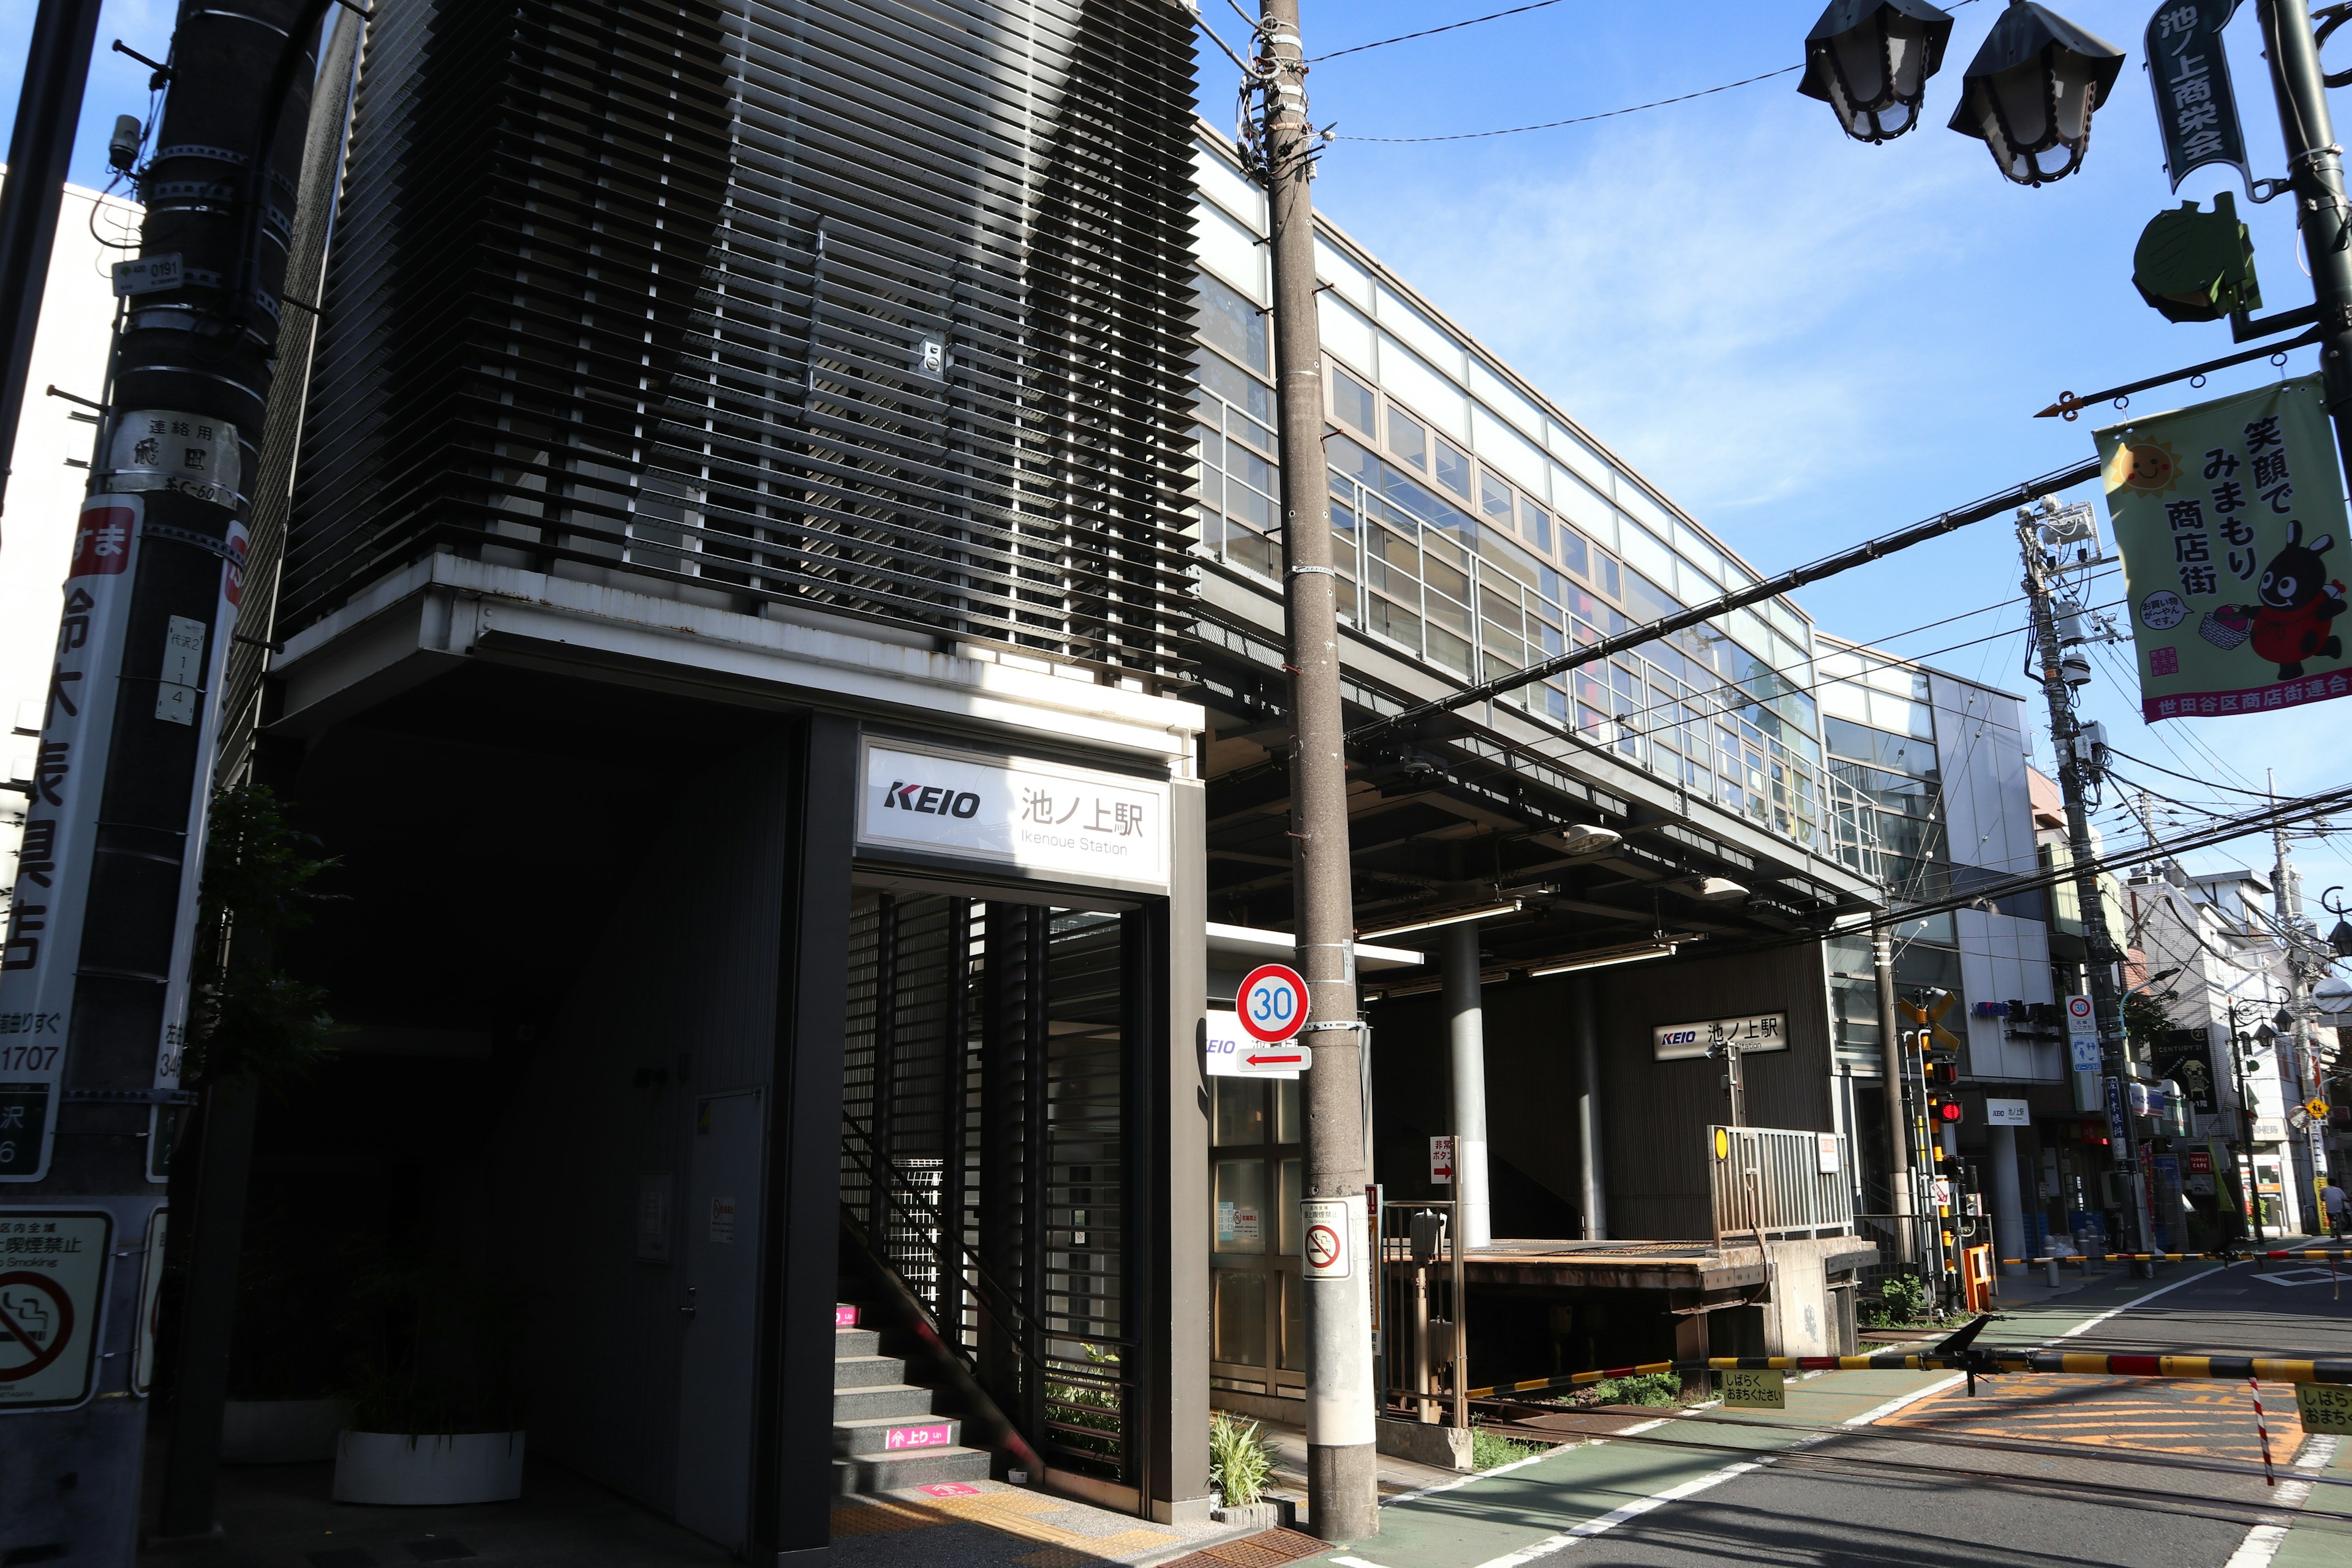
x=1272, y=1003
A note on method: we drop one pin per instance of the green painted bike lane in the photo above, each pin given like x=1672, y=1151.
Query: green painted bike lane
x=1502, y=1518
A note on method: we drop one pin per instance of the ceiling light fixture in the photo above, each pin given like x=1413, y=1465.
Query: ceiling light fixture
x=1430, y=922
x=1632, y=955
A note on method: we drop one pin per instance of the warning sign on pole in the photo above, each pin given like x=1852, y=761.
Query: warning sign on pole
x=1756, y=1388
x=52, y=1273
x=1329, y=1251
x=2325, y=1407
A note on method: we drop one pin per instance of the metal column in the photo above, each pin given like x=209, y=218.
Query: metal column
x=1466, y=1030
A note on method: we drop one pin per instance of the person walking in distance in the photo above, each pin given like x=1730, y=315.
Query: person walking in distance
x=2332, y=1196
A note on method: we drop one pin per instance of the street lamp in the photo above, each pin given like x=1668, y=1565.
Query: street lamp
x=1870, y=61
x=2030, y=91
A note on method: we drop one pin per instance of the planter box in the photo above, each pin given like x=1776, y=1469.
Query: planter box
x=1272, y=1513
x=435, y=1468
x=279, y=1431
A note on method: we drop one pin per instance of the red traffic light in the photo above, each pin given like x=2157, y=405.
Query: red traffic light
x=1949, y=1110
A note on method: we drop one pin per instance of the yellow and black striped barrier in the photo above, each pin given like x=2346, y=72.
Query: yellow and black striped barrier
x=2321, y=1254
x=1983, y=1362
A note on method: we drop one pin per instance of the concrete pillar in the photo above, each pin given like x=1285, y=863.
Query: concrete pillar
x=1467, y=1027
x=1586, y=1030
x=2007, y=1205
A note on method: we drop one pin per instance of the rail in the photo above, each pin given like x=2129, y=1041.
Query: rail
x=1774, y=1184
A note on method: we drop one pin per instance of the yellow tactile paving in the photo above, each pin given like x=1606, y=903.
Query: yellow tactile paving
x=2214, y=1420
x=1016, y=1513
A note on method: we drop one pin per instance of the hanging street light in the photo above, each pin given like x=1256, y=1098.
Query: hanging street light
x=2029, y=93
x=1870, y=61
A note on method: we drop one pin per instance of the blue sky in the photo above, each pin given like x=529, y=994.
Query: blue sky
x=1803, y=340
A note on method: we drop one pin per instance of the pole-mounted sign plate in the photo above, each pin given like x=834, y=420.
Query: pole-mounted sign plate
x=52, y=1280
x=2196, y=104
x=1232, y=1053
x=1329, y=1250
x=1272, y=1003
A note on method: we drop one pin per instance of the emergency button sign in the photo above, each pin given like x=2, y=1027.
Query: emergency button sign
x=1272, y=1003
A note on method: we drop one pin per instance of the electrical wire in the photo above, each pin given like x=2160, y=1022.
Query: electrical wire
x=1577, y=120
x=1431, y=32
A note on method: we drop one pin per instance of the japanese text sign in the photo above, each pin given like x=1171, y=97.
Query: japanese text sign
x=1761, y=1032
x=2196, y=106
x=2229, y=516
x=1754, y=1388
x=52, y=1280
x=1049, y=820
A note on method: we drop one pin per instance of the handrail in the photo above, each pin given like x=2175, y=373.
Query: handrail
x=890, y=1183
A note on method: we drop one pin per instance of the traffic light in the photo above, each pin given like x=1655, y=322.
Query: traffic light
x=2094, y=1132
x=1942, y=1072
x=1947, y=1109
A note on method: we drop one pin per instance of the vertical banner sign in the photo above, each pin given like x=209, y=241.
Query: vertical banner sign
x=39, y=951
x=2196, y=106
x=2229, y=516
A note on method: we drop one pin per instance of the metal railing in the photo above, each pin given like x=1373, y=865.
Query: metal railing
x=1773, y=1182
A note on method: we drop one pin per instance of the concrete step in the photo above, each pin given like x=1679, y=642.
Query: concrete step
x=880, y=1399
x=861, y=1371
x=889, y=1472
x=913, y=1434
x=855, y=1341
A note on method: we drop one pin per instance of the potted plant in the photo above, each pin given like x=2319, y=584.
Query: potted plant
x=288, y=1351
x=437, y=1408
x=1241, y=1466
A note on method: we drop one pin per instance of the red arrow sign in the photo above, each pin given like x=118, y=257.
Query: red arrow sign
x=1265, y=1061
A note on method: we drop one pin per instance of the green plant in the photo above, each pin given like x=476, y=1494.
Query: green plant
x=1241, y=1461
x=1659, y=1388
x=250, y=1017
x=1904, y=1299
x=442, y=1350
x=1085, y=1407
x=1488, y=1450
x=2144, y=1019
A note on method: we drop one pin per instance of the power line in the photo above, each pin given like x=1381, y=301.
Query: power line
x=1429, y=33
x=1580, y=119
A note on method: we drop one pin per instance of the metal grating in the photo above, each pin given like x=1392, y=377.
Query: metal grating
x=878, y=307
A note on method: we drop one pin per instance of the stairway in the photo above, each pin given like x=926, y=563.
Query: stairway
x=884, y=1433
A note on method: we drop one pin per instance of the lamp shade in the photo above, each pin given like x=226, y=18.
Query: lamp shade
x=1870, y=61
x=2030, y=92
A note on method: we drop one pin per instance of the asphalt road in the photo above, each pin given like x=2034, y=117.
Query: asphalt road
x=2029, y=1472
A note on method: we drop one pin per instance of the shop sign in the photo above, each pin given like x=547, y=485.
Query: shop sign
x=2008, y=1113
x=1049, y=820
x=2231, y=527
x=1759, y=1032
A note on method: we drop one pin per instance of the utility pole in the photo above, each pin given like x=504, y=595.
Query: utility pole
x=102, y=939
x=1342, y=1399
x=40, y=151
x=2316, y=173
x=2286, y=896
x=2075, y=773
x=1898, y=1114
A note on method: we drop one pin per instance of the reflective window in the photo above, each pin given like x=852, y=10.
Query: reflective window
x=1408, y=439
x=1352, y=403
x=1454, y=469
x=1232, y=324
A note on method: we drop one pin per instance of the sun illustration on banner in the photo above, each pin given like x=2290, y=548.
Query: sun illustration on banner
x=2146, y=467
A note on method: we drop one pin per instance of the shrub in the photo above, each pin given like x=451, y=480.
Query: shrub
x=1659, y=1388
x=1488, y=1450
x=1241, y=1461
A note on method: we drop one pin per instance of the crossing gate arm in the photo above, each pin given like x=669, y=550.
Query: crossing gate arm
x=1984, y=1363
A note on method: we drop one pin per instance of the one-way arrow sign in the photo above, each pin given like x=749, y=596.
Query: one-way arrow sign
x=1286, y=1060
x=1233, y=1054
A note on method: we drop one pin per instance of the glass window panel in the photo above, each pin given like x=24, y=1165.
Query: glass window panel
x=1345, y=332
x=1343, y=272
x=1409, y=378
x=1249, y=467
x=1249, y=506
x=1241, y=1205
x=1242, y=426
x=1293, y=1191
x=1643, y=601
x=1253, y=552
x=1227, y=248
x=1352, y=460
x=1644, y=553
x=1504, y=612
x=1294, y=1323
x=1392, y=620
x=1571, y=449
x=1287, y=1127
x=1534, y=525
x=1236, y=386
x=1451, y=651
x=1352, y=403
x=1233, y=324
x=1495, y=499
x=1573, y=553
x=1432, y=342
x=1506, y=450
x=1408, y=437
x=1241, y=1317
x=1610, y=579
x=1454, y=469
x=1444, y=578
x=1506, y=399
x=1240, y=1111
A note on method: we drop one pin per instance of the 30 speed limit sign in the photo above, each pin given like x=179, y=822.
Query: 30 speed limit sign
x=1272, y=1003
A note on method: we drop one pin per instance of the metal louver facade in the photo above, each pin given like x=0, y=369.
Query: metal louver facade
x=880, y=309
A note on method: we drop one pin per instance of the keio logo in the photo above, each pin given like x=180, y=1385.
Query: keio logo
x=929, y=799
x=1677, y=1037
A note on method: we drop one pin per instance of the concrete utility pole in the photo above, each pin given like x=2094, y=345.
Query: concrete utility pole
x=2287, y=902
x=1898, y=1114
x=1343, y=1398
x=2074, y=773
x=101, y=946
x=40, y=151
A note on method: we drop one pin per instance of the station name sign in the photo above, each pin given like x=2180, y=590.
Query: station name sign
x=1760, y=1032
x=1047, y=820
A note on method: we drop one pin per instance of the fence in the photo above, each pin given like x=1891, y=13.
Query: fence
x=1771, y=1183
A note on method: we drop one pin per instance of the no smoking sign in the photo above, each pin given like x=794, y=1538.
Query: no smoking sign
x=1328, y=1253
x=52, y=1266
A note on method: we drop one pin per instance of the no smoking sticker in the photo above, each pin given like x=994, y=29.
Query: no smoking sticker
x=1328, y=1253
x=52, y=1268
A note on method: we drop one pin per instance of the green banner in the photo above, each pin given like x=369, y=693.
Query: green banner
x=2229, y=518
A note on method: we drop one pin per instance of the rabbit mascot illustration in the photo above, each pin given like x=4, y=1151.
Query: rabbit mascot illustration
x=2293, y=623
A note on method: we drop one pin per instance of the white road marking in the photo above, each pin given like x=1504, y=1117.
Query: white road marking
x=2262, y=1541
